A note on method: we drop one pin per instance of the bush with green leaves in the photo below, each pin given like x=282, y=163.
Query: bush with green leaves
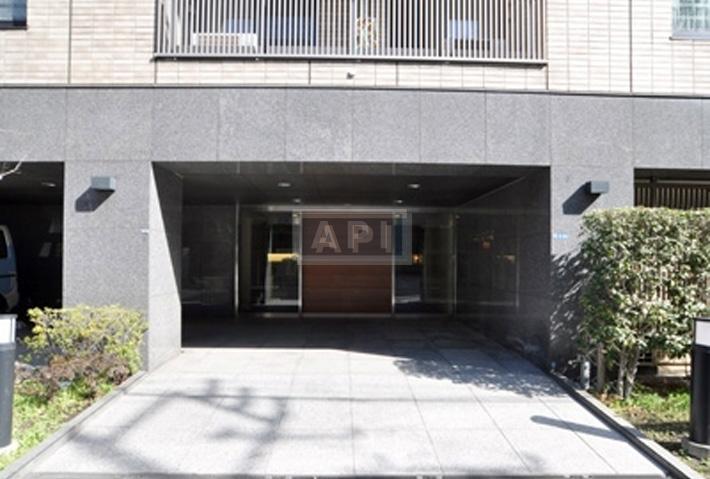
x=84, y=347
x=648, y=271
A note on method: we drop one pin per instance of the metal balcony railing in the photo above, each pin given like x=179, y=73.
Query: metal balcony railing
x=442, y=30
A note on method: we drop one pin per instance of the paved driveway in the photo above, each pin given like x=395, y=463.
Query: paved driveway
x=306, y=398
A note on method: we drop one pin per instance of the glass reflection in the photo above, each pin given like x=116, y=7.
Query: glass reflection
x=426, y=285
x=269, y=266
x=488, y=270
x=208, y=259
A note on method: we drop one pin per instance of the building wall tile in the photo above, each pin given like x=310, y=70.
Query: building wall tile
x=668, y=133
x=112, y=41
x=38, y=54
x=589, y=47
x=453, y=127
x=318, y=125
x=384, y=124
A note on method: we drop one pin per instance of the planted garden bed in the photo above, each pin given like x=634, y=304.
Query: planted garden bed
x=661, y=412
x=75, y=356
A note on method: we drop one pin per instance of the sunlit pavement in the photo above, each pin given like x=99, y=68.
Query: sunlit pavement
x=344, y=398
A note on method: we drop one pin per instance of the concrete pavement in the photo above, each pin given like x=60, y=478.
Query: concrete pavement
x=357, y=398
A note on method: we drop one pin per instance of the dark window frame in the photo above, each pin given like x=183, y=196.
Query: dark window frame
x=16, y=24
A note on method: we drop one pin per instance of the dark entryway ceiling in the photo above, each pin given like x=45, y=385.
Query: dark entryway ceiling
x=340, y=183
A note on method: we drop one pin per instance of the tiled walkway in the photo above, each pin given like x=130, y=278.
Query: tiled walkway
x=308, y=398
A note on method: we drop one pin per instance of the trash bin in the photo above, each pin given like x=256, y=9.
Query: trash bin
x=699, y=443
x=7, y=376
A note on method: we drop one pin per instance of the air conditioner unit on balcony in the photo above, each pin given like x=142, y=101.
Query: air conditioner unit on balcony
x=226, y=42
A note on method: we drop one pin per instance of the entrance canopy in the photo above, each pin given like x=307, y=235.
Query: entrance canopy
x=477, y=239
x=344, y=184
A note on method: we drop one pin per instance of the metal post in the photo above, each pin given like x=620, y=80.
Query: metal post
x=601, y=370
x=7, y=377
x=585, y=374
x=699, y=443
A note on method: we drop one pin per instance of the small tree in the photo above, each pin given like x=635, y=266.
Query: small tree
x=9, y=168
x=648, y=276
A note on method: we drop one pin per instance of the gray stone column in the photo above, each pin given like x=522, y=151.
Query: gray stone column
x=591, y=138
x=124, y=247
x=164, y=272
x=570, y=201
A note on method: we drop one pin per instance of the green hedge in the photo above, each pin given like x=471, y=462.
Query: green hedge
x=82, y=347
x=648, y=271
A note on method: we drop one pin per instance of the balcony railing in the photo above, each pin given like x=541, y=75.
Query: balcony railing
x=443, y=30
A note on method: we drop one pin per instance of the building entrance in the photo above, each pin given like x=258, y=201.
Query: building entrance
x=357, y=269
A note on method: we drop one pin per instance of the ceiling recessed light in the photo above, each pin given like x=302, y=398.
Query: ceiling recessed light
x=283, y=184
x=399, y=202
x=414, y=186
x=49, y=184
x=297, y=201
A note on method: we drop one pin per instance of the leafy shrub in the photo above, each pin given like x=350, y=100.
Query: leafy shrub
x=648, y=277
x=83, y=347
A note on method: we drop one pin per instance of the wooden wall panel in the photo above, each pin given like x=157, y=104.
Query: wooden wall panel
x=347, y=288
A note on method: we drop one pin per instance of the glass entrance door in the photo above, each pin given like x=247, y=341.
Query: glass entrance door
x=426, y=283
x=269, y=266
x=273, y=278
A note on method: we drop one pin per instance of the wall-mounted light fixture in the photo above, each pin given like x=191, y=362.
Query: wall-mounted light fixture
x=103, y=183
x=598, y=187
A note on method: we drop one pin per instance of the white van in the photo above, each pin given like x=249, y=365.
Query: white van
x=9, y=296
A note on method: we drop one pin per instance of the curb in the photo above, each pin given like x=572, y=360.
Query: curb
x=673, y=466
x=67, y=431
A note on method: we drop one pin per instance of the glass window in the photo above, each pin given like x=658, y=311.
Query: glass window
x=691, y=18
x=426, y=284
x=287, y=27
x=13, y=13
x=208, y=236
